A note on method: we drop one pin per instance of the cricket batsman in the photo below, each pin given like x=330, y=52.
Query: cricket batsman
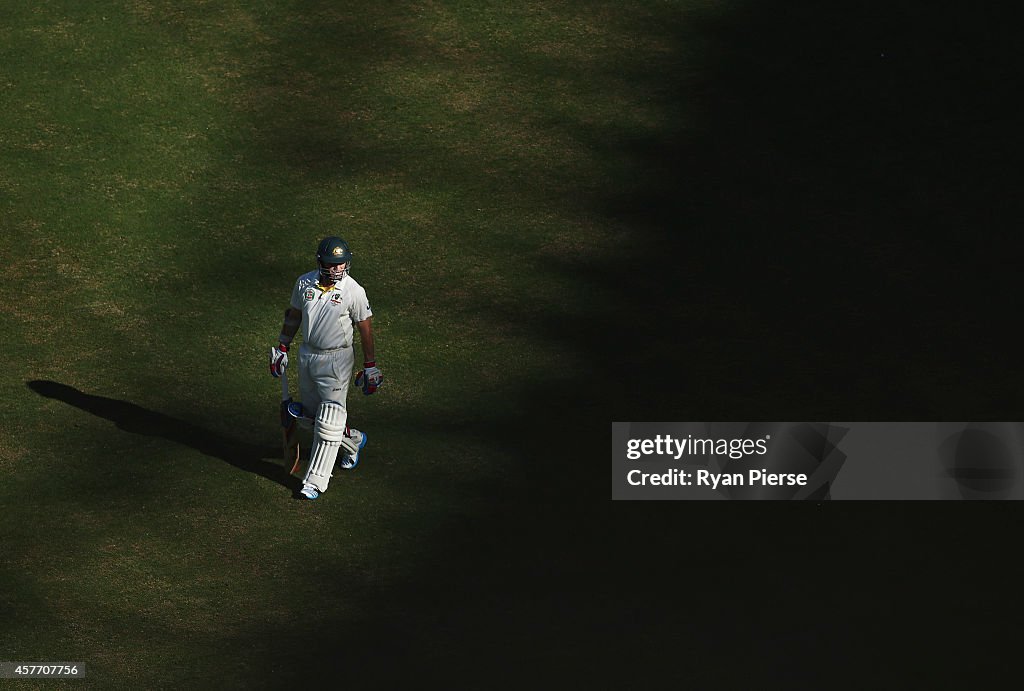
x=329, y=305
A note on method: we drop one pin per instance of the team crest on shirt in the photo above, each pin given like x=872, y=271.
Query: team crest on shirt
x=335, y=298
x=309, y=294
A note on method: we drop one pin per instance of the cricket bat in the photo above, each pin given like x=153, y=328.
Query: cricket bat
x=289, y=433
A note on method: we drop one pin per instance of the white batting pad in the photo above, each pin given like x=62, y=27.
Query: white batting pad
x=328, y=435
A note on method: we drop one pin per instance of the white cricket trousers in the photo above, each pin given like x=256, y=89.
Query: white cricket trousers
x=324, y=376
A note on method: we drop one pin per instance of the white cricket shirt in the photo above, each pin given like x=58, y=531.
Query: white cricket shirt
x=329, y=313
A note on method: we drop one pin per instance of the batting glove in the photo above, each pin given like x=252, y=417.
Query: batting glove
x=370, y=378
x=278, y=360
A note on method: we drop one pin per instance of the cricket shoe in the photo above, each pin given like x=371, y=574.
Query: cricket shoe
x=309, y=492
x=351, y=460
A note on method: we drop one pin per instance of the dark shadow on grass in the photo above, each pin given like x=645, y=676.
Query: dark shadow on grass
x=822, y=243
x=135, y=419
x=819, y=242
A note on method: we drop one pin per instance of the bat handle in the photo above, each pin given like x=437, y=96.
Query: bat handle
x=284, y=384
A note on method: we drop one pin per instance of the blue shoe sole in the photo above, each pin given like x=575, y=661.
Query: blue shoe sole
x=358, y=451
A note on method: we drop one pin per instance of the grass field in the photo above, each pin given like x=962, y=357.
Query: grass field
x=564, y=214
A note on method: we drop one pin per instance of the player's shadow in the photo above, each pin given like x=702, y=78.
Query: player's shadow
x=133, y=418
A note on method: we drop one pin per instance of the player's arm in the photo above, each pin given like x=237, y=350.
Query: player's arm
x=366, y=339
x=279, y=353
x=370, y=378
x=292, y=321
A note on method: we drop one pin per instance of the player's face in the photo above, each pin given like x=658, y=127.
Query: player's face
x=333, y=273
